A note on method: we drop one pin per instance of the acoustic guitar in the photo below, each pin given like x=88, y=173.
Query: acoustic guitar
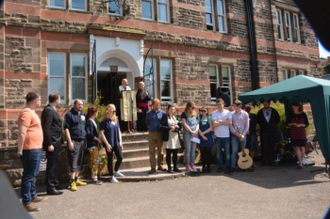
x=244, y=160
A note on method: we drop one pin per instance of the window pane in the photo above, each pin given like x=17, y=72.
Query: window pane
x=165, y=69
x=213, y=90
x=221, y=24
x=213, y=74
x=114, y=9
x=78, y=88
x=208, y=6
x=209, y=19
x=56, y=3
x=296, y=21
x=79, y=4
x=278, y=18
x=146, y=9
x=220, y=7
x=163, y=1
x=166, y=89
x=56, y=64
x=149, y=76
x=284, y=75
x=162, y=12
x=57, y=85
x=225, y=75
x=78, y=65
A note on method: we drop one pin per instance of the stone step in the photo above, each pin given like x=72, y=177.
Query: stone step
x=141, y=174
x=143, y=144
x=137, y=162
x=136, y=153
x=135, y=137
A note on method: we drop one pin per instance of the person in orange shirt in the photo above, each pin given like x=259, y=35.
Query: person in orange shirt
x=30, y=138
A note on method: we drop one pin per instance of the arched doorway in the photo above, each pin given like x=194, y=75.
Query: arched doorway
x=113, y=66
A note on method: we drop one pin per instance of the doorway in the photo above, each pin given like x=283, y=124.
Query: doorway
x=108, y=86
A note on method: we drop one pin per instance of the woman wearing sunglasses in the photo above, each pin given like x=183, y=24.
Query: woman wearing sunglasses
x=111, y=136
x=205, y=133
x=191, y=126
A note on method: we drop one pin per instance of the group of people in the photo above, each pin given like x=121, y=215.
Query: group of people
x=81, y=131
x=232, y=130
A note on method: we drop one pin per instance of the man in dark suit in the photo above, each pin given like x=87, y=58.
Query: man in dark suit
x=52, y=129
x=268, y=118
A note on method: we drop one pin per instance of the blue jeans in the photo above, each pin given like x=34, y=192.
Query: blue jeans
x=31, y=162
x=235, y=145
x=223, y=143
x=189, y=149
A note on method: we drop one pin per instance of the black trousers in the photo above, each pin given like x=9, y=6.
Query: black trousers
x=141, y=122
x=53, y=169
x=119, y=155
x=268, y=147
x=206, y=156
x=169, y=152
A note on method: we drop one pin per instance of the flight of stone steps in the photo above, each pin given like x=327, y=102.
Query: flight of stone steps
x=136, y=151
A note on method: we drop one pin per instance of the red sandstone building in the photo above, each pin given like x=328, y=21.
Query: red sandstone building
x=74, y=46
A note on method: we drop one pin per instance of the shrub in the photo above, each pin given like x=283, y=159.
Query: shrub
x=282, y=126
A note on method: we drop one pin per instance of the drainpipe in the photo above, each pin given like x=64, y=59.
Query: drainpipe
x=252, y=42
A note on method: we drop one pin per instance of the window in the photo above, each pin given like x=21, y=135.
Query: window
x=166, y=80
x=221, y=16
x=163, y=11
x=78, y=76
x=151, y=79
x=220, y=13
x=279, y=25
x=209, y=14
x=57, y=3
x=79, y=5
x=285, y=74
x=292, y=73
x=296, y=28
x=220, y=79
x=56, y=74
x=147, y=9
x=288, y=26
x=214, y=81
x=114, y=9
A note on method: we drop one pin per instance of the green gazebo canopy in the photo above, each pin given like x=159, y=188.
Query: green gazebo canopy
x=303, y=89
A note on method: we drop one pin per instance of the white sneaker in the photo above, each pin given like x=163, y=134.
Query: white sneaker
x=114, y=180
x=118, y=174
x=188, y=168
x=193, y=168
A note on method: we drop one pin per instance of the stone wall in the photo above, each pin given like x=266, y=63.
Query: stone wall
x=13, y=166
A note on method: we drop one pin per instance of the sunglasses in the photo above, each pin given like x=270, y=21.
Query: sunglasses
x=203, y=111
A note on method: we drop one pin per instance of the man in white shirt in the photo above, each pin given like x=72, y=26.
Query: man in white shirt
x=221, y=120
x=124, y=85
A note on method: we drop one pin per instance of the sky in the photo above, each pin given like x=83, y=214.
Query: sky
x=324, y=53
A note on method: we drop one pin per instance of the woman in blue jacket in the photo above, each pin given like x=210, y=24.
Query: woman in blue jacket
x=93, y=142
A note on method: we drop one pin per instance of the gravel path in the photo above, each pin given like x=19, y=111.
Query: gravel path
x=268, y=192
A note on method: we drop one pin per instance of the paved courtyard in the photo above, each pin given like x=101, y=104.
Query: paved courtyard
x=268, y=192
